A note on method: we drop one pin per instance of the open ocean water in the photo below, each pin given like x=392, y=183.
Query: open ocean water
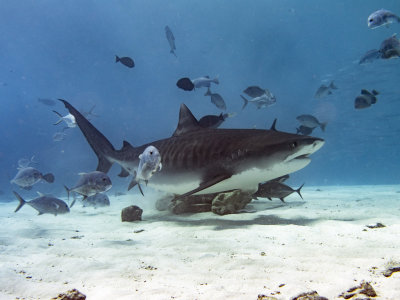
x=52, y=49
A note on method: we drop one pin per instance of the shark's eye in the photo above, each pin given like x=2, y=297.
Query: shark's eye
x=293, y=145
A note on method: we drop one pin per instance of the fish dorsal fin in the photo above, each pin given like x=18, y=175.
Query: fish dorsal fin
x=365, y=92
x=126, y=145
x=40, y=194
x=187, y=122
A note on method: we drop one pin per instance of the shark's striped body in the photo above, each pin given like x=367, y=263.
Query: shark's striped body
x=199, y=160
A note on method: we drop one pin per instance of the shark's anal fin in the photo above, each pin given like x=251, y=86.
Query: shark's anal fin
x=205, y=184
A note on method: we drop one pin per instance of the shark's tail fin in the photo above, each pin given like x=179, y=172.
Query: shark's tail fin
x=298, y=191
x=22, y=202
x=245, y=102
x=99, y=143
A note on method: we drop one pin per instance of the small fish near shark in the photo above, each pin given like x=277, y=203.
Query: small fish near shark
x=200, y=160
x=44, y=204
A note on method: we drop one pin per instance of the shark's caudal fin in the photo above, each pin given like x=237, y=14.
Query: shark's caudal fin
x=99, y=143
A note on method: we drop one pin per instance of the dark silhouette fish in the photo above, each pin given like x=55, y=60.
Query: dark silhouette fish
x=275, y=189
x=44, y=204
x=48, y=102
x=185, y=84
x=366, y=99
x=126, y=61
x=390, y=48
x=171, y=40
x=200, y=160
x=310, y=121
x=212, y=121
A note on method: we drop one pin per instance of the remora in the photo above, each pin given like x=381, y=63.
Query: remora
x=200, y=160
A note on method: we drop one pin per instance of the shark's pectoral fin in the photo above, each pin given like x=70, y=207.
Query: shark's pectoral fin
x=205, y=184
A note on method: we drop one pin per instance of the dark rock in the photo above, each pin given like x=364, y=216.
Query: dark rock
x=265, y=297
x=377, y=225
x=309, y=296
x=364, y=289
x=70, y=295
x=192, y=204
x=131, y=213
x=230, y=202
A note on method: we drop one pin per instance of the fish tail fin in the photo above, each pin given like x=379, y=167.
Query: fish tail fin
x=117, y=59
x=375, y=92
x=208, y=93
x=99, y=143
x=61, y=117
x=333, y=86
x=323, y=126
x=216, y=80
x=49, y=177
x=140, y=189
x=22, y=202
x=245, y=102
x=298, y=191
x=68, y=191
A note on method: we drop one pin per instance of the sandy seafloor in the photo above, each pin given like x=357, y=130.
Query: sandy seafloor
x=319, y=244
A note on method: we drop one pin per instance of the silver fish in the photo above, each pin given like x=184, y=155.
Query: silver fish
x=44, y=204
x=97, y=200
x=260, y=102
x=204, y=82
x=310, y=122
x=68, y=119
x=90, y=184
x=171, y=40
x=216, y=99
x=382, y=17
x=275, y=189
x=324, y=90
x=27, y=177
x=255, y=91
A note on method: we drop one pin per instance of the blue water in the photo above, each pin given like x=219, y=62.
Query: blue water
x=66, y=49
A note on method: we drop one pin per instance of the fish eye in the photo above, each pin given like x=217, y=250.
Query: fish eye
x=151, y=152
x=370, y=20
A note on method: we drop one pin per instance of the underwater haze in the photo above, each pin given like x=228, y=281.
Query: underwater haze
x=66, y=49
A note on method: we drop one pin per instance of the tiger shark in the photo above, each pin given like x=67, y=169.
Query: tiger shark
x=199, y=160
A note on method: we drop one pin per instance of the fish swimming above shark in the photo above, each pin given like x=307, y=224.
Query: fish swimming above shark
x=200, y=160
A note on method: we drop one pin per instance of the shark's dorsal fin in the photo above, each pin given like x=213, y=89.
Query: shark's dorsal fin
x=187, y=122
x=126, y=145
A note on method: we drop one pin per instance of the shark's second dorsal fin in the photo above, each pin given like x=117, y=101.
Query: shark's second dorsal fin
x=187, y=122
